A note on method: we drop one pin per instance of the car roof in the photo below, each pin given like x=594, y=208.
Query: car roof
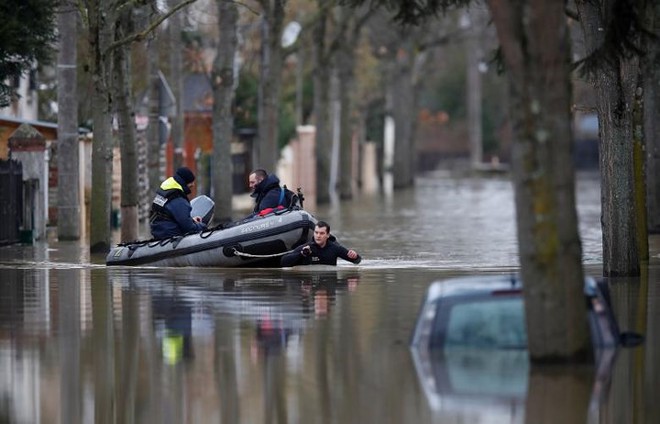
x=483, y=285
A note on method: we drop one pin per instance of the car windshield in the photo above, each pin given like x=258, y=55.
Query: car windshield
x=485, y=323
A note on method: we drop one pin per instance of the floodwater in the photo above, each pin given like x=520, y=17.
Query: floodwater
x=81, y=342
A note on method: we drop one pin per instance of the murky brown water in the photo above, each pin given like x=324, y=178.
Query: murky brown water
x=80, y=342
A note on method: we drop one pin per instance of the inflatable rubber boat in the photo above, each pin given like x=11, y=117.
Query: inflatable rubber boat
x=259, y=242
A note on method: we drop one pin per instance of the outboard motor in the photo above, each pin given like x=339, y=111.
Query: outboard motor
x=203, y=206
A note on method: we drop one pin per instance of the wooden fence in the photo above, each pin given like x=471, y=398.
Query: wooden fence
x=11, y=201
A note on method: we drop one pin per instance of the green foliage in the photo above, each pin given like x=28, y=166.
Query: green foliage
x=47, y=96
x=375, y=122
x=494, y=111
x=287, y=115
x=245, y=104
x=446, y=87
x=245, y=100
x=287, y=125
x=27, y=34
x=307, y=98
x=448, y=95
x=192, y=39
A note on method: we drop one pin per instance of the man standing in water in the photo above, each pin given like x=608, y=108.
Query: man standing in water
x=324, y=250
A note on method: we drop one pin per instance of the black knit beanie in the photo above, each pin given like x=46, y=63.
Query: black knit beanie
x=185, y=174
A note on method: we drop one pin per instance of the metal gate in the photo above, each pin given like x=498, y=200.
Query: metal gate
x=11, y=201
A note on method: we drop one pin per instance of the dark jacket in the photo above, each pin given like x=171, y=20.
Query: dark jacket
x=326, y=255
x=267, y=194
x=170, y=210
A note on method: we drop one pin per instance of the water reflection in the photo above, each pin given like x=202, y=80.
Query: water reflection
x=477, y=386
x=474, y=385
x=158, y=346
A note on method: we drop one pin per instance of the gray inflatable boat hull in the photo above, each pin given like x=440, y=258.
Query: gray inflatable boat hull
x=257, y=243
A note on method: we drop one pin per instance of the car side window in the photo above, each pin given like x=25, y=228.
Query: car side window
x=493, y=323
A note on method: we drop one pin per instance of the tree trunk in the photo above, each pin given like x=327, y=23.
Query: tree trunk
x=68, y=175
x=615, y=87
x=225, y=373
x=129, y=355
x=322, y=108
x=473, y=86
x=549, y=386
x=620, y=245
x=176, y=84
x=349, y=40
x=402, y=81
x=153, y=129
x=420, y=64
x=103, y=352
x=101, y=19
x=404, y=114
x=651, y=72
x=100, y=35
x=639, y=170
x=127, y=132
x=68, y=326
x=535, y=47
x=346, y=66
x=223, y=81
x=270, y=83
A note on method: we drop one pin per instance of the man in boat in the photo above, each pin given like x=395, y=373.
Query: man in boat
x=323, y=250
x=267, y=193
x=170, y=210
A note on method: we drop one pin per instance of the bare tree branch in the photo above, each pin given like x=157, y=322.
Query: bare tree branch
x=139, y=36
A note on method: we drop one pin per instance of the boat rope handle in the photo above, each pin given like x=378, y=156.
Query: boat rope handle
x=250, y=255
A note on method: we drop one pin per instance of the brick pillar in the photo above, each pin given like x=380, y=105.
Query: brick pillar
x=369, y=168
x=28, y=146
x=304, y=165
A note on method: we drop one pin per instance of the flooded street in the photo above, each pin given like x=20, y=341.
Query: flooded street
x=81, y=342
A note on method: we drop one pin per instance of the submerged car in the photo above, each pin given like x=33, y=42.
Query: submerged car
x=469, y=348
x=488, y=312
